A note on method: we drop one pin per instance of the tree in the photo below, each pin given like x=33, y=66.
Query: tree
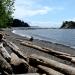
x=68, y=24
x=6, y=10
x=19, y=23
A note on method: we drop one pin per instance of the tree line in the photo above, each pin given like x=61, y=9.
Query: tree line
x=68, y=24
x=6, y=18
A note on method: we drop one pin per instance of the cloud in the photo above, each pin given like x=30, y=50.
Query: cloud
x=28, y=8
x=31, y=12
x=69, y=19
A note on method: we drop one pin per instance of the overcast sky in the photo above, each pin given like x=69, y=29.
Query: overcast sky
x=45, y=13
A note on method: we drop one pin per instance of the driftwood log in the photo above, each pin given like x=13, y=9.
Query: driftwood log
x=19, y=65
x=15, y=49
x=40, y=60
x=5, y=66
x=45, y=49
x=4, y=52
x=28, y=74
x=49, y=71
x=59, y=54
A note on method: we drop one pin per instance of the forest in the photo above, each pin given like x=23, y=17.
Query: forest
x=68, y=25
x=7, y=8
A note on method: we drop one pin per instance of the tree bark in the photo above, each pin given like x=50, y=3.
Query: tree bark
x=4, y=53
x=45, y=49
x=48, y=70
x=61, y=55
x=15, y=49
x=19, y=65
x=28, y=74
x=5, y=66
x=40, y=60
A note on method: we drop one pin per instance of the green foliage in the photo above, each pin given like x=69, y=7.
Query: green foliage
x=6, y=10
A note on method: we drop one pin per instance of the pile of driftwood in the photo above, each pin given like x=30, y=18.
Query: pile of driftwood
x=12, y=63
x=17, y=63
x=49, y=66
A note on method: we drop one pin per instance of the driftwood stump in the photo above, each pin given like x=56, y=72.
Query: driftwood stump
x=5, y=66
x=19, y=65
x=4, y=53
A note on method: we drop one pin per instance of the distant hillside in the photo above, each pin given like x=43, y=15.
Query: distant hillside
x=19, y=23
x=68, y=24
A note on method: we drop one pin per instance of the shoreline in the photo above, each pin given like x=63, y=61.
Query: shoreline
x=45, y=40
x=8, y=35
x=27, y=51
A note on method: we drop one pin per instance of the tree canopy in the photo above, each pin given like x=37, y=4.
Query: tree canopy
x=68, y=24
x=6, y=10
x=19, y=23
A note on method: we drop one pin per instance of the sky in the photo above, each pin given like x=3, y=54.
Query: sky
x=45, y=13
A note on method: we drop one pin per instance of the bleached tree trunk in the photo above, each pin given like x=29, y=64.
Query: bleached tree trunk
x=40, y=60
x=5, y=66
x=4, y=52
x=15, y=49
x=19, y=65
x=59, y=54
x=48, y=70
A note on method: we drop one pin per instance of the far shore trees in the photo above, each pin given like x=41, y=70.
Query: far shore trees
x=19, y=23
x=68, y=25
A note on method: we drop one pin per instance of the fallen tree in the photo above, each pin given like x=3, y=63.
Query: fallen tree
x=40, y=60
x=5, y=66
x=45, y=49
x=28, y=74
x=19, y=65
x=49, y=71
x=4, y=53
x=15, y=49
x=59, y=54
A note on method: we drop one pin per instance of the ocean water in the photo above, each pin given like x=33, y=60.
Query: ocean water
x=60, y=36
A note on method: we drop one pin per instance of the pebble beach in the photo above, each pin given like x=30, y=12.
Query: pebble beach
x=27, y=51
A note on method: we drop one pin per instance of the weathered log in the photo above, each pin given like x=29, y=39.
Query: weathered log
x=5, y=66
x=45, y=49
x=59, y=54
x=40, y=60
x=15, y=49
x=4, y=53
x=19, y=65
x=28, y=74
x=48, y=70
x=73, y=59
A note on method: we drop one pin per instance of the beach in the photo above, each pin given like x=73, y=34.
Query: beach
x=27, y=51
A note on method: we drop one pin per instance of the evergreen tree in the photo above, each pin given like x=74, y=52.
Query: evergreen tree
x=6, y=10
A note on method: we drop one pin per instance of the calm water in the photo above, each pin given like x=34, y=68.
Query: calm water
x=61, y=36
